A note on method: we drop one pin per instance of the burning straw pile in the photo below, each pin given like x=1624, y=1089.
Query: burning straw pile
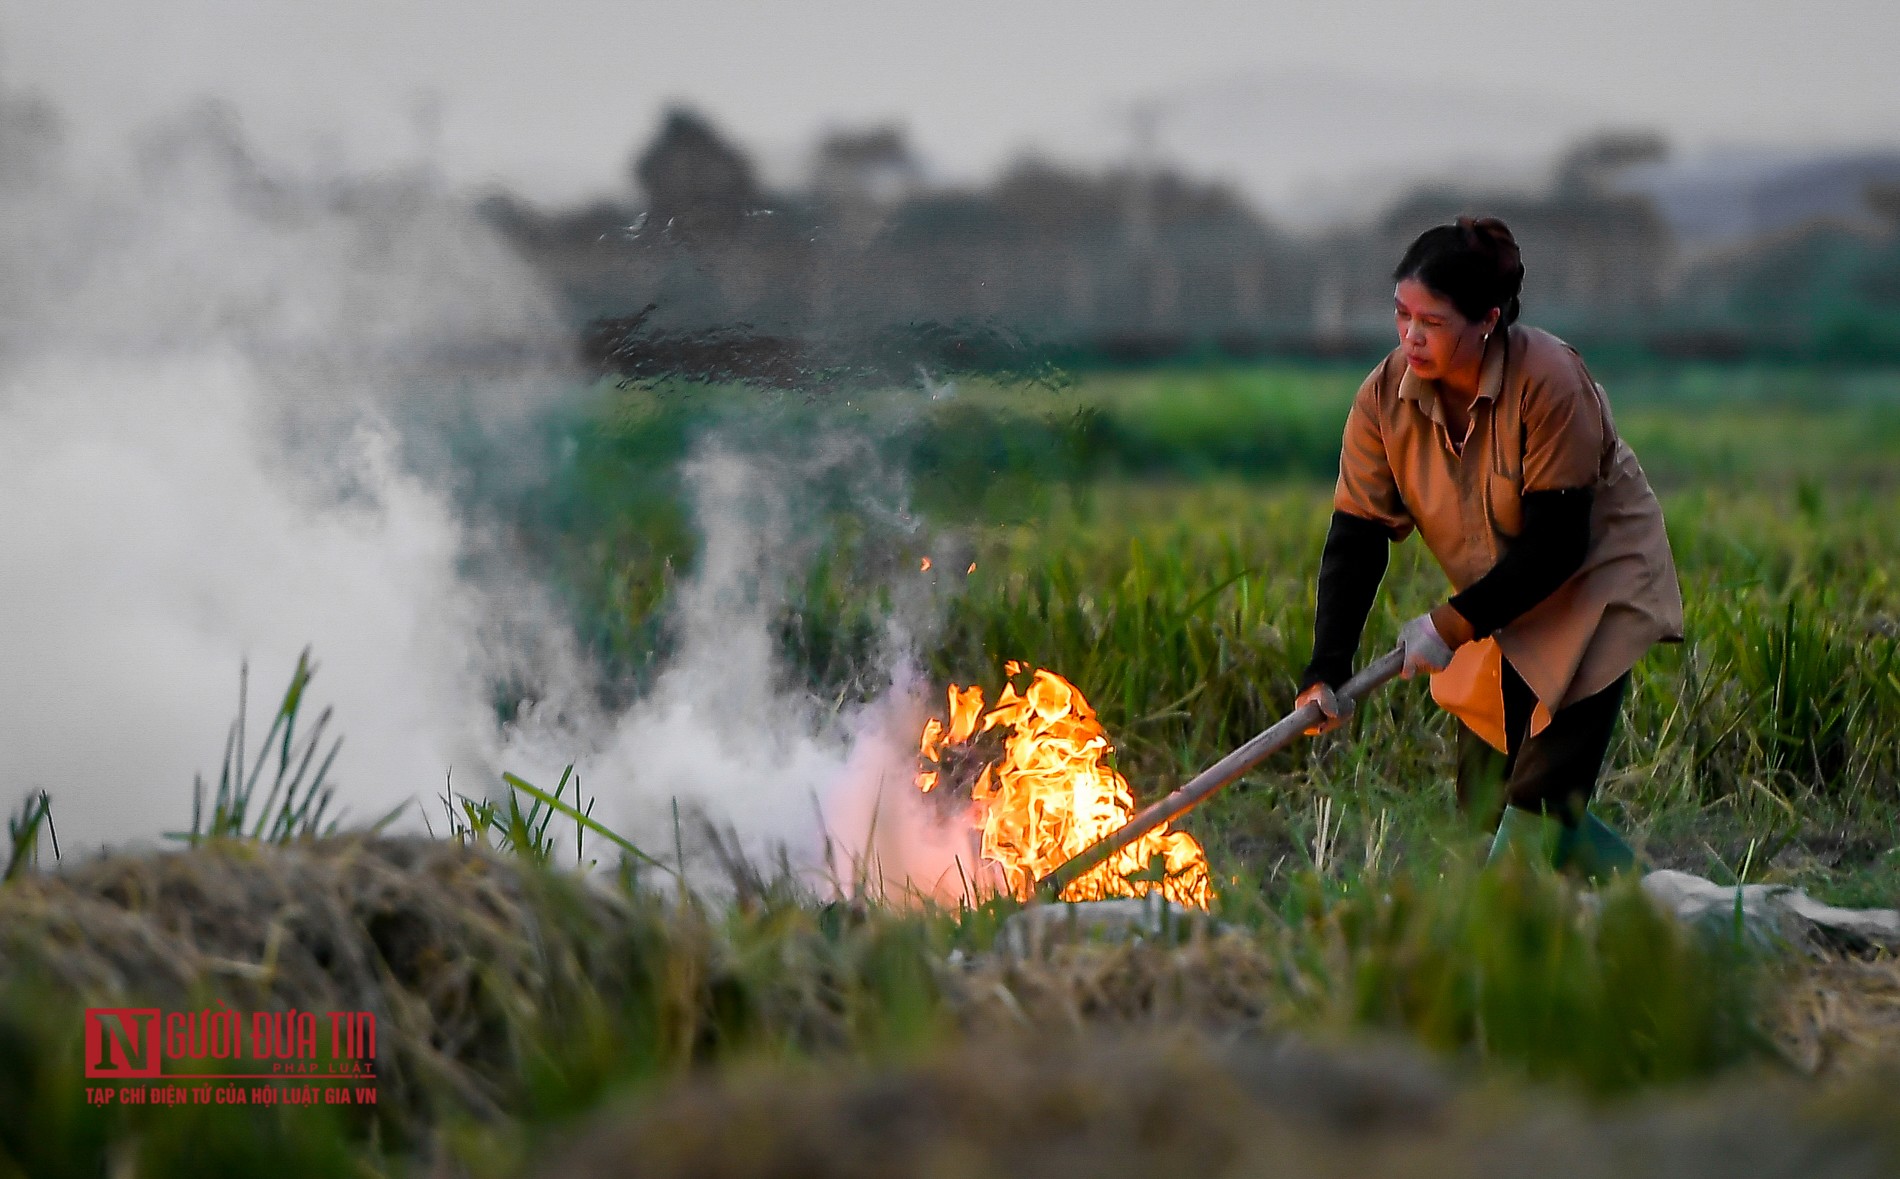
x=1044, y=791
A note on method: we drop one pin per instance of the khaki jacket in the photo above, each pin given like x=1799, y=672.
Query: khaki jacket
x=1540, y=423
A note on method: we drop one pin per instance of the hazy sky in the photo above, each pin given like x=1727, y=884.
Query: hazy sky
x=1295, y=101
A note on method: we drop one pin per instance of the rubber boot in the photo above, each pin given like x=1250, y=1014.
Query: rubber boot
x=1593, y=850
x=1531, y=836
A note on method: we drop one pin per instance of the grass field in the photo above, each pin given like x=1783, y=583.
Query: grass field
x=1154, y=538
x=1377, y=1004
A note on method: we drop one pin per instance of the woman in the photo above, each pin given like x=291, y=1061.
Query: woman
x=1492, y=440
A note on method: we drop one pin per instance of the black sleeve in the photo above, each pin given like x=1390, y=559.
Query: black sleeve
x=1350, y=568
x=1551, y=547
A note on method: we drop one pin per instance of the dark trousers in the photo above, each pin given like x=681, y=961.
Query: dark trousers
x=1554, y=772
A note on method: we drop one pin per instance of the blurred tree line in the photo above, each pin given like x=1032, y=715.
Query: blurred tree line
x=1142, y=261
x=1132, y=263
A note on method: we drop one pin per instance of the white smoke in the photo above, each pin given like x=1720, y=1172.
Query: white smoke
x=825, y=788
x=225, y=395
x=214, y=439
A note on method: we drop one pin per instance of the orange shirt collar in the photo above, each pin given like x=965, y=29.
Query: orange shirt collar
x=1490, y=378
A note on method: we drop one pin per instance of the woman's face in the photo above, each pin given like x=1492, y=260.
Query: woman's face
x=1435, y=336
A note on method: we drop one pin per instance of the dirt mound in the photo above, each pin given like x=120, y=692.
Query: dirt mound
x=1137, y=1107
x=447, y=945
x=520, y=997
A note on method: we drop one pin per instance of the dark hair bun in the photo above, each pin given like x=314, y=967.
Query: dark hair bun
x=1473, y=262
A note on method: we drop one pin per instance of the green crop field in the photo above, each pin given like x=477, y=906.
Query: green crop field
x=1154, y=538
x=1374, y=1005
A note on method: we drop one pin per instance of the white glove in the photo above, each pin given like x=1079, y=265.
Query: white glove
x=1425, y=649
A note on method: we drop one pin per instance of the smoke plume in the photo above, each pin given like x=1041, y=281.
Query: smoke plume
x=232, y=401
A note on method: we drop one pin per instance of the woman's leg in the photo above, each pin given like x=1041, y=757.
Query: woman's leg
x=1555, y=772
x=1484, y=771
x=1551, y=778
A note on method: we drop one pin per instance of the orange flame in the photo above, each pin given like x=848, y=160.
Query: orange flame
x=1050, y=796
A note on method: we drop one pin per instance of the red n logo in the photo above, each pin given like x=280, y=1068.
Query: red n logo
x=121, y=1042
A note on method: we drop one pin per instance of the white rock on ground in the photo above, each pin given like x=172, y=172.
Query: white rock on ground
x=1770, y=912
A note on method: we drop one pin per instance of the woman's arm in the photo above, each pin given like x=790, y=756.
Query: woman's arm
x=1565, y=436
x=1368, y=514
x=1350, y=568
x=1554, y=540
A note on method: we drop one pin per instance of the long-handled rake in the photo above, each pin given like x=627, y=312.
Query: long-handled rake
x=1220, y=774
